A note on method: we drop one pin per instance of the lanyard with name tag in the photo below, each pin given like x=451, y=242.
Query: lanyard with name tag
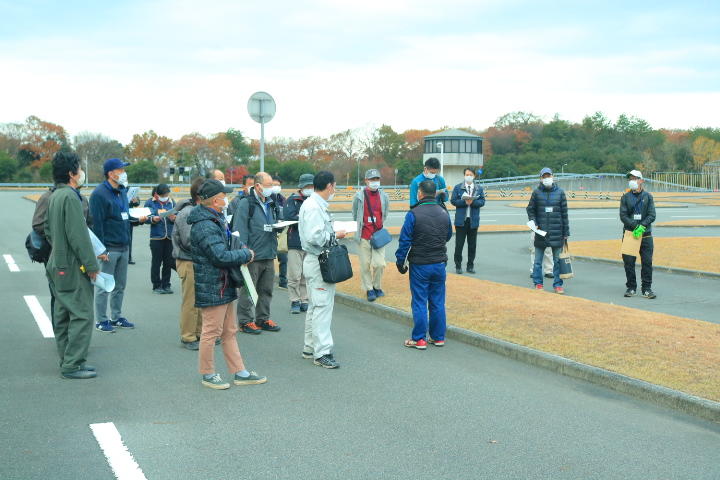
x=124, y=215
x=267, y=227
x=637, y=216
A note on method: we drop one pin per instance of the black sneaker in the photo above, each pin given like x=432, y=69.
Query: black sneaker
x=649, y=294
x=250, y=328
x=629, y=292
x=470, y=269
x=303, y=306
x=269, y=325
x=167, y=291
x=458, y=270
x=307, y=355
x=159, y=291
x=282, y=285
x=549, y=275
x=190, y=345
x=326, y=361
x=295, y=307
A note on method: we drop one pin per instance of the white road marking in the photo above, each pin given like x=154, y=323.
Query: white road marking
x=11, y=263
x=121, y=461
x=41, y=318
x=596, y=218
x=692, y=216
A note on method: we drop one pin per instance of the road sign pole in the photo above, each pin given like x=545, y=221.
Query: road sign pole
x=262, y=146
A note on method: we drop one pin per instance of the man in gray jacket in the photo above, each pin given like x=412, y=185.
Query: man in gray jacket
x=190, y=316
x=370, y=208
x=316, y=230
x=253, y=219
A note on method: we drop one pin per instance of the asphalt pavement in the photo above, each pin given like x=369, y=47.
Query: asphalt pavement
x=451, y=412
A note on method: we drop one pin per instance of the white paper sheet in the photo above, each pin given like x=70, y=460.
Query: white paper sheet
x=284, y=224
x=535, y=228
x=349, y=227
x=105, y=281
x=132, y=193
x=98, y=246
x=140, y=212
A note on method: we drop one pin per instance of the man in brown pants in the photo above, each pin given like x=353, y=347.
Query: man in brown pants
x=215, y=290
x=190, y=318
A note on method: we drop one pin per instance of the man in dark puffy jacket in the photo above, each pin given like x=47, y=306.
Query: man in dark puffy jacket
x=637, y=213
x=297, y=287
x=425, y=232
x=214, y=288
x=548, y=209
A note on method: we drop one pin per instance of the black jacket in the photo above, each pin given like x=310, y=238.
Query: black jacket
x=291, y=212
x=212, y=257
x=427, y=228
x=554, y=222
x=642, y=204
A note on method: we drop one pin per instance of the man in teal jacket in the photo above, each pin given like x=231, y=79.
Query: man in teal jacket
x=70, y=268
x=430, y=172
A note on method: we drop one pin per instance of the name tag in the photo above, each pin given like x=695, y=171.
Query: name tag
x=371, y=219
x=548, y=209
x=267, y=227
x=637, y=216
x=124, y=215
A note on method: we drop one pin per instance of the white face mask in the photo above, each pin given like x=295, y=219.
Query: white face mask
x=223, y=182
x=164, y=199
x=81, y=179
x=277, y=189
x=547, y=181
x=429, y=176
x=122, y=179
x=307, y=192
x=226, y=203
x=633, y=184
x=469, y=178
x=266, y=192
x=374, y=185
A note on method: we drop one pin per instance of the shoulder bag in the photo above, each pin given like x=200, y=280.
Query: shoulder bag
x=334, y=261
x=382, y=236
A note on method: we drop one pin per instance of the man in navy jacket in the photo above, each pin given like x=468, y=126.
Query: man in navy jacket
x=467, y=198
x=110, y=212
x=423, y=239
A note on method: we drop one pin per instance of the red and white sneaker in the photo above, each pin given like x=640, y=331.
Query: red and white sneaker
x=559, y=290
x=437, y=343
x=420, y=344
x=538, y=286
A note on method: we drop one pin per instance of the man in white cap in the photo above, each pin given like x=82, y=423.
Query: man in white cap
x=637, y=213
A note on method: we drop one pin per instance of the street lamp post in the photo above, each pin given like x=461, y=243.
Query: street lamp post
x=395, y=181
x=562, y=169
x=441, y=146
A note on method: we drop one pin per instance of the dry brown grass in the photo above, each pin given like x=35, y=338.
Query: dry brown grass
x=690, y=223
x=676, y=352
x=693, y=253
x=33, y=197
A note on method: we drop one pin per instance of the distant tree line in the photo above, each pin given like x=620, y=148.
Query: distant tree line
x=518, y=143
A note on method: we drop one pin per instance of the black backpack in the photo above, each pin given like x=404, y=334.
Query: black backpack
x=38, y=247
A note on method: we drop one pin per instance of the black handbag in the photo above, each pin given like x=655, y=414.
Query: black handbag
x=335, y=264
x=382, y=236
x=37, y=247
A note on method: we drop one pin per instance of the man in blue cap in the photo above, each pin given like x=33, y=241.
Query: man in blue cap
x=110, y=212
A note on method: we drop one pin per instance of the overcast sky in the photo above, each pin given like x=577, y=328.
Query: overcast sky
x=176, y=67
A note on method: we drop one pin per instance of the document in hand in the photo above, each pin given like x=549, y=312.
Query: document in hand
x=105, y=281
x=535, y=228
x=349, y=227
x=284, y=224
x=98, y=246
x=249, y=284
x=138, y=212
x=630, y=244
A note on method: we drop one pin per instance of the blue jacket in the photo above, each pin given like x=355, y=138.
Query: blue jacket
x=164, y=228
x=423, y=231
x=107, y=206
x=461, y=207
x=439, y=185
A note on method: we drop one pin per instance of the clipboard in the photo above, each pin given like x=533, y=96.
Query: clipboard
x=630, y=244
x=249, y=284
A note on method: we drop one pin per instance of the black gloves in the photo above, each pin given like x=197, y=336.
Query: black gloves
x=401, y=267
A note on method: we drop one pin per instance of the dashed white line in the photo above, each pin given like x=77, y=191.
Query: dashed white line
x=692, y=216
x=121, y=461
x=11, y=263
x=41, y=318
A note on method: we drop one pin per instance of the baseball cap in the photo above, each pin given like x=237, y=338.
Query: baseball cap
x=162, y=189
x=305, y=179
x=545, y=170
x=211, y=188
x=372, y=173
x=114, y=164
x=634, y=173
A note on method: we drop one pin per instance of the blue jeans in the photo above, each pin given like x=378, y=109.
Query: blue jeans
x=427, y=286
x=537, y=266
